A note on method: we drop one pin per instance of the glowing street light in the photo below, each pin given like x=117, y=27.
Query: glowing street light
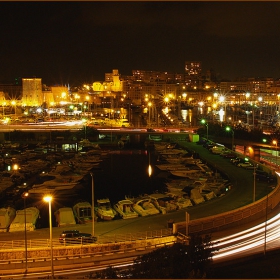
x=203, y=121
x=228, y=128
x=274, y=142
x=49, y=200
x=149, y=106
x=14, y=104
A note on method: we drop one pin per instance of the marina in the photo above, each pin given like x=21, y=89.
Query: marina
x=67, y=178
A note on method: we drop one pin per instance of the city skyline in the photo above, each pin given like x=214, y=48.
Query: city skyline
x=78, y=42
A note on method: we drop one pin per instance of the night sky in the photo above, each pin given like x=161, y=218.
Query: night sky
x=77, y=42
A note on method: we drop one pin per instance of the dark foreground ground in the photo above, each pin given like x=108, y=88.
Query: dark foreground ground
x=257, y=267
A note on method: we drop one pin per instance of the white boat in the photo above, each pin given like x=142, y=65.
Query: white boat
x=125, y=209
x=196, y=196
x=30, y=215
x=59, y=182
x=180, y=184
x=182, y=160
x=144, y=207
x=83, y=212
x=169, y=167
x=181, y=198
x=63, y=176
x=164, y=203
x=185, y=173
x=7, y=215
x=64, y=217
x=104, y=209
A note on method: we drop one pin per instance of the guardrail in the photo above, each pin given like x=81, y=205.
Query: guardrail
x=70, y=254
x=103, y=239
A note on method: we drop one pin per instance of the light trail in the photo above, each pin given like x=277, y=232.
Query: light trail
x=248, y=241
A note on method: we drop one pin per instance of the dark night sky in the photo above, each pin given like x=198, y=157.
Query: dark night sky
x=77, y=42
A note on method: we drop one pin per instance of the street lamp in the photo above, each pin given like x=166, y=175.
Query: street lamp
x=275, y=143
x=48, y=199
x=203, y=121
x=228, y=128
x=24, y=196
x=14, y=104
x=92, y=202
x=254, y=186
x=149, y=106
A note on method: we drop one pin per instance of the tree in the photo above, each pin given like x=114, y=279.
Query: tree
x=177, y=261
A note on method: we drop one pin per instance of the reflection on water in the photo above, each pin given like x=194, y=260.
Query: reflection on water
x=123, y=173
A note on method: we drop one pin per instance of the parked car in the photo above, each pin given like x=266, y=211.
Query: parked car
x=236, y=160
x=246, y=165
x=76, y=237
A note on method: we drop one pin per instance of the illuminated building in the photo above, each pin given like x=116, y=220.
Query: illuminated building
x=193, y=73
x=32, y=92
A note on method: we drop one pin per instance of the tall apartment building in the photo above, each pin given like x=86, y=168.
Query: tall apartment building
x=32, y=92
x=193, y=74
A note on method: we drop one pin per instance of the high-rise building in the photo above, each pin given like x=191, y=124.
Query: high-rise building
x=193, y=73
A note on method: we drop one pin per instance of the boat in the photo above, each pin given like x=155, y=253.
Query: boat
x=57, y=183
x=83, y=212
x=25, y=219
x=85, y=143
x=169, y=167
x=196, y=196
x=104, y=210
x=185, y=173
x=164, y=203
x=125, y=209
x=64, y=217
x=144, y=207
x=181, y=198
x=7, y=215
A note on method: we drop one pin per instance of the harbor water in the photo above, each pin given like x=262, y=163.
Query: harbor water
x=122, y=173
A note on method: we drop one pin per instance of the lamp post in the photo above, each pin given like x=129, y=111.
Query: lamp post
x=14, y=104
x=149, y=106
x=24, y=196
x=228, y=128
x=203, y=121
x=49, y=200
x=92, y=202
x=254, y=184
x=275, y=143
